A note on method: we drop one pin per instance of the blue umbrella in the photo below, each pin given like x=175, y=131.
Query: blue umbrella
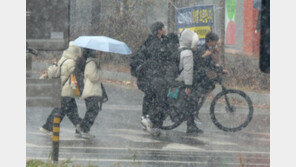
x=102, y=43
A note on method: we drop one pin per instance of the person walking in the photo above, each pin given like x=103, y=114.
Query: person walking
x=67, y=65
x=89, y=65
x=154, y=101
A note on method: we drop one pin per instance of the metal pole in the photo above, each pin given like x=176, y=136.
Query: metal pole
x=171, y=16
x=222, y=37
x=56, y=137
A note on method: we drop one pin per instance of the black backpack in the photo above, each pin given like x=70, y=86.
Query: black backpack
x=137, y=62
x=139, y=59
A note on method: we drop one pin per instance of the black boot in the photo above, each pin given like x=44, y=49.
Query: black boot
x=191, y=126
x=193, y=129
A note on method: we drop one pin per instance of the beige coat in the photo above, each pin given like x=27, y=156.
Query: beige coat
x=92, y=79
x=71, y=54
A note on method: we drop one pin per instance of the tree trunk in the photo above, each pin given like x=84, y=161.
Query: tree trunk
x=95, y=17
x=171, y=16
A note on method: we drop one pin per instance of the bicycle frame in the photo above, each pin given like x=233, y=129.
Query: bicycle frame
x=218, y=80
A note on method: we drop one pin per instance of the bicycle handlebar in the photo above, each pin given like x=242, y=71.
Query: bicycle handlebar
x=218, y=78
x=32, y=51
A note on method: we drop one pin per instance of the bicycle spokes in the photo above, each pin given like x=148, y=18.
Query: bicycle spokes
x=231, y=110
x=229, y=107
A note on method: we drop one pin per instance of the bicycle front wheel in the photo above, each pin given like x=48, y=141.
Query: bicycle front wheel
x=231, y=110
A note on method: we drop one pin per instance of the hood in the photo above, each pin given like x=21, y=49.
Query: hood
x=188, y=39
x=72, y=52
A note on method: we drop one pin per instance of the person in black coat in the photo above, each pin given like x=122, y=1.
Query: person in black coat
x=152, y=82
x=205, y=57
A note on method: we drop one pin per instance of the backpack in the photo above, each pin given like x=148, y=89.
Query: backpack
x=172, y=69
x=137, y=62
x=54, y=71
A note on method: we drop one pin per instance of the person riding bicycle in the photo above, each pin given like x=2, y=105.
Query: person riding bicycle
x=206, y=57
x=188, y=42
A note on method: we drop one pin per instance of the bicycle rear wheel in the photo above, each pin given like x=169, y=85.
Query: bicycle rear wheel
x=172, y=121
x=231, y=110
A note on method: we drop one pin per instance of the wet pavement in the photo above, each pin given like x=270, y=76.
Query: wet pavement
x=120, y=140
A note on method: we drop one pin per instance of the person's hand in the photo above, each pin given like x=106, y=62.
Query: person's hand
x=43, y=76
x=225, y=72
x=206, y=54
x=188, y=91
x=216, y=49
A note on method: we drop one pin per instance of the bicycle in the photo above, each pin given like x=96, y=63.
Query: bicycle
x=233, y=106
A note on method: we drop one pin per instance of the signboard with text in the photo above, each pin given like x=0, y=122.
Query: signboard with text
x=197, y=18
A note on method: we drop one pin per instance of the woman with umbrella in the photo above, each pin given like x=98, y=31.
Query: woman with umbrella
x=88, y=75
x=88, y=70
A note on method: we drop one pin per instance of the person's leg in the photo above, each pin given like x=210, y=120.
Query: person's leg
x=147, y=103
x=191, y=107
x=161, y=106
x=69, y=107
x=92, y=106
x=48, y=126
x=63, y=111
x=49, y=121
x=149, y=121
x=191, y=125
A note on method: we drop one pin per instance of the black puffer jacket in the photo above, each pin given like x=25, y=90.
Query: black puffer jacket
x=157, y=57
x=201, y=64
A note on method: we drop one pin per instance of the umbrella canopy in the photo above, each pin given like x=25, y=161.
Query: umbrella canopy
x=102, y=43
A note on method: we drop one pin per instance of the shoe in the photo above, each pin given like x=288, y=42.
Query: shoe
x=198, y=121
x=45, y=131
x=77, y=134
x=85, y=135
x=149, y=127
x=193, y=129
x=155, y=132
